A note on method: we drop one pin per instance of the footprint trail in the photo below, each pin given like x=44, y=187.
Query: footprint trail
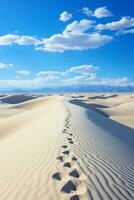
x=69, y=177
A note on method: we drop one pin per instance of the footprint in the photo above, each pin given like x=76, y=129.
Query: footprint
x=74, y=158
x=67, y=164
x=64, y=146
x=56, y=176
x=66, y=152
x=71, y=134
x=71, y=142
x=60, y=158
x=74, y=173
x=75, y=197
x=68, y=187
x=69, y=139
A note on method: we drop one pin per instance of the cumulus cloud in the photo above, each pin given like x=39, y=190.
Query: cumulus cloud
x=124, y=81
x=82, y=79
x=5, y=66
x=75, y=37
x=87, y=11
x=11, y=39
x=77, y=75
x=83, y=41
x=43, y=74
x=65, y=16
x=76, y=69
x=23, y=72
x=54, y=78
x=78, y=35
x=123, y=23
x=54, y=81
x=83, y=68
x=102, y=12
x=27, y=40
x=98, y=13
x=122, y=32
x=73, y=75
x=78, y=27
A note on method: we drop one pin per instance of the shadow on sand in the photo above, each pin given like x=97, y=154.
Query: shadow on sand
x=91, y=106
x=14, y=99
x=124, y=133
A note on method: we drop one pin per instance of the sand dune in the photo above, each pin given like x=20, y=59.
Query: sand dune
x=58, y=149
x=105, y=149
x=14, y=99
x=119, y=107
x=28, y=152
x=103, y=96
x=9, y=108
x=123, y=113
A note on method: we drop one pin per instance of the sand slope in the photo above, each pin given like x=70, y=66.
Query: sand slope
x=28, y=152
x=54, y=150
x=119, y=107
x=105, y=150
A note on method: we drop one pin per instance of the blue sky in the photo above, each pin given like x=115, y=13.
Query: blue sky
x=61, y=42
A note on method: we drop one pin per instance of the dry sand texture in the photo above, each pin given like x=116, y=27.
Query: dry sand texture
x=119, y=107
x=56, y=148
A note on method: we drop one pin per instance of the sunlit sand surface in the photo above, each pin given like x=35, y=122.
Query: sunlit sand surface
x=72, y=147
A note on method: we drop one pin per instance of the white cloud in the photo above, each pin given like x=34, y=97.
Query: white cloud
x=87, y=11
x=7, y=39
x=5, y=66
x=123, y=23
x=78, y=27
x=54, y=81
x=124, y=81
x=43, y=74
x=65, y=16
x=75, y=37
x=11, y=39
x=125, y=31
x=83, y=41
x=27, y=40
x=78, y=35
x=74, y=75
x=98, y=13
x=79, y=75
x=102, y=12
x=23, y=73
x=83, y=68
x=82, y=79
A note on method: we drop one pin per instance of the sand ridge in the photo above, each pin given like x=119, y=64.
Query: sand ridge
x=119, y=107
x=69, y=178
x=25, y=116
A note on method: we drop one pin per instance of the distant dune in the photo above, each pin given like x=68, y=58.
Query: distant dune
x=67, y=147
x=14, y=99
x=119, y=107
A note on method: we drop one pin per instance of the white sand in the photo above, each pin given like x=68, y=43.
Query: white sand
x=52, y=149
x=119, y=107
